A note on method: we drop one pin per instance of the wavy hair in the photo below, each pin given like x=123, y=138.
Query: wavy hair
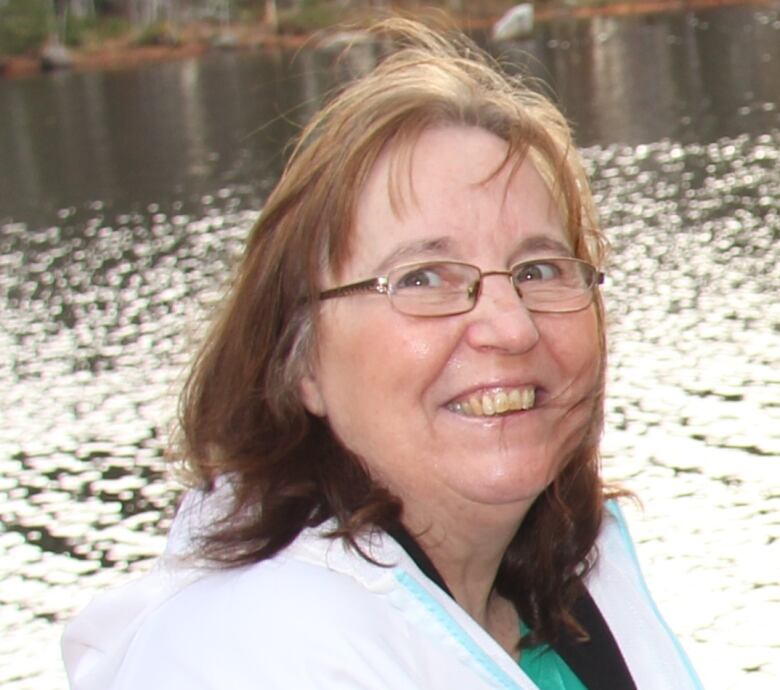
x=240, y=412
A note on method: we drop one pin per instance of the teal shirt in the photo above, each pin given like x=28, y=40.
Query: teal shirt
x=547, y=669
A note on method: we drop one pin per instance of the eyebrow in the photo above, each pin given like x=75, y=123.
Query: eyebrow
x=416, y=250
x=542, y=244
x=437, y=246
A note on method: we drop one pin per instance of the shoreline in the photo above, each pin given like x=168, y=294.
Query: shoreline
x=198, y=39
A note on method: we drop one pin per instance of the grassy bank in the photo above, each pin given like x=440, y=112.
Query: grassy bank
x=27, y=27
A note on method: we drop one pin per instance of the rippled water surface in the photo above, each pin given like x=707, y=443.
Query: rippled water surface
x=126, y=197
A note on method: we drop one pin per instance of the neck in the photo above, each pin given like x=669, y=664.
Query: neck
x=467, y=555
x=468, y=566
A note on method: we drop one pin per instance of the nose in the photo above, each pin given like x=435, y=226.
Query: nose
x=500, y=320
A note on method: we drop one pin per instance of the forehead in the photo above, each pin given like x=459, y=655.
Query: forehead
x=451, y=194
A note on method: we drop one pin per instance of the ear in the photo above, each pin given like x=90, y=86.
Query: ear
x=311, y=395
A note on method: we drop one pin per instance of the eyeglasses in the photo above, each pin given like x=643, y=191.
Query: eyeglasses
x=446, y=288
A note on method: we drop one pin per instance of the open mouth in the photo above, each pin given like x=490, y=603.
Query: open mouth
x=494, y=403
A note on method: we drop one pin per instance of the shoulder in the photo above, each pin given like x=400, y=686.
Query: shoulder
x=282, y=592
x=280, y=623
x=649, y=647
x=615, y=541
x=317, y=615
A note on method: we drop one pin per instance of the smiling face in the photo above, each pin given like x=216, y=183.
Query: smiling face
x=433, y=405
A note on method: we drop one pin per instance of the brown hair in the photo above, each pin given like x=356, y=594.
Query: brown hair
x=241, y=414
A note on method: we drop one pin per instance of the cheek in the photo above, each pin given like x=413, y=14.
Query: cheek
x=384, y=346
x=575, y=343
x=344, y=367
x=418, y=348
x=575, y=347
x=376, y=365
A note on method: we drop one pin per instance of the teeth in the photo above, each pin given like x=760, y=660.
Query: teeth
x=500, y=402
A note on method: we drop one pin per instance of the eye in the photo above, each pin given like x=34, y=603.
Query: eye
x=424, y=276
x=536, y=271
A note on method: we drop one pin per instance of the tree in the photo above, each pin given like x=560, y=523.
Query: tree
x=271, y=15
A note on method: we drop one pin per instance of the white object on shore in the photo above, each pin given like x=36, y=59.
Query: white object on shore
x=518, y=22
x=225, y=40
x=55, y=56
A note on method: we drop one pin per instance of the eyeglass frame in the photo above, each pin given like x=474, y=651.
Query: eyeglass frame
x=381, y=285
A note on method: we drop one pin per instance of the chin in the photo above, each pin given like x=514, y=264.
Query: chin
x=522, y=482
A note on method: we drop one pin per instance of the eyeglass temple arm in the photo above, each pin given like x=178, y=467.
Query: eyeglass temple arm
x=370, y=285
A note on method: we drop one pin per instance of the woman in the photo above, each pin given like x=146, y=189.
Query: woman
x=394, y=423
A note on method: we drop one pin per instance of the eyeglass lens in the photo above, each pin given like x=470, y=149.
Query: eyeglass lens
x=443, y=288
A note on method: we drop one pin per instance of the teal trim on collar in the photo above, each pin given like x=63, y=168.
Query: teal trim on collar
x=488, y=666
x=614, y=510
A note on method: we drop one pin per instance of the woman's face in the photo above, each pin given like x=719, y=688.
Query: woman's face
x=389, y=384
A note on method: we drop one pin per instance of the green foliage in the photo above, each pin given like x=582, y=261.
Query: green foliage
x=247, y=10
x=94, y=30
x=110, y=27
x=158, y=34
x=24, y=25
x=312, y=15
x=77, y=28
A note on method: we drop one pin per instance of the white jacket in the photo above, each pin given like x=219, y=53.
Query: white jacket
x=320, y=616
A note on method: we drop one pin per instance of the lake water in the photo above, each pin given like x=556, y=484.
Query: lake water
x=126, y=196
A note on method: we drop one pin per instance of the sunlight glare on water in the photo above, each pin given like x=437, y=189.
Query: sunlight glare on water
x=99, y=324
